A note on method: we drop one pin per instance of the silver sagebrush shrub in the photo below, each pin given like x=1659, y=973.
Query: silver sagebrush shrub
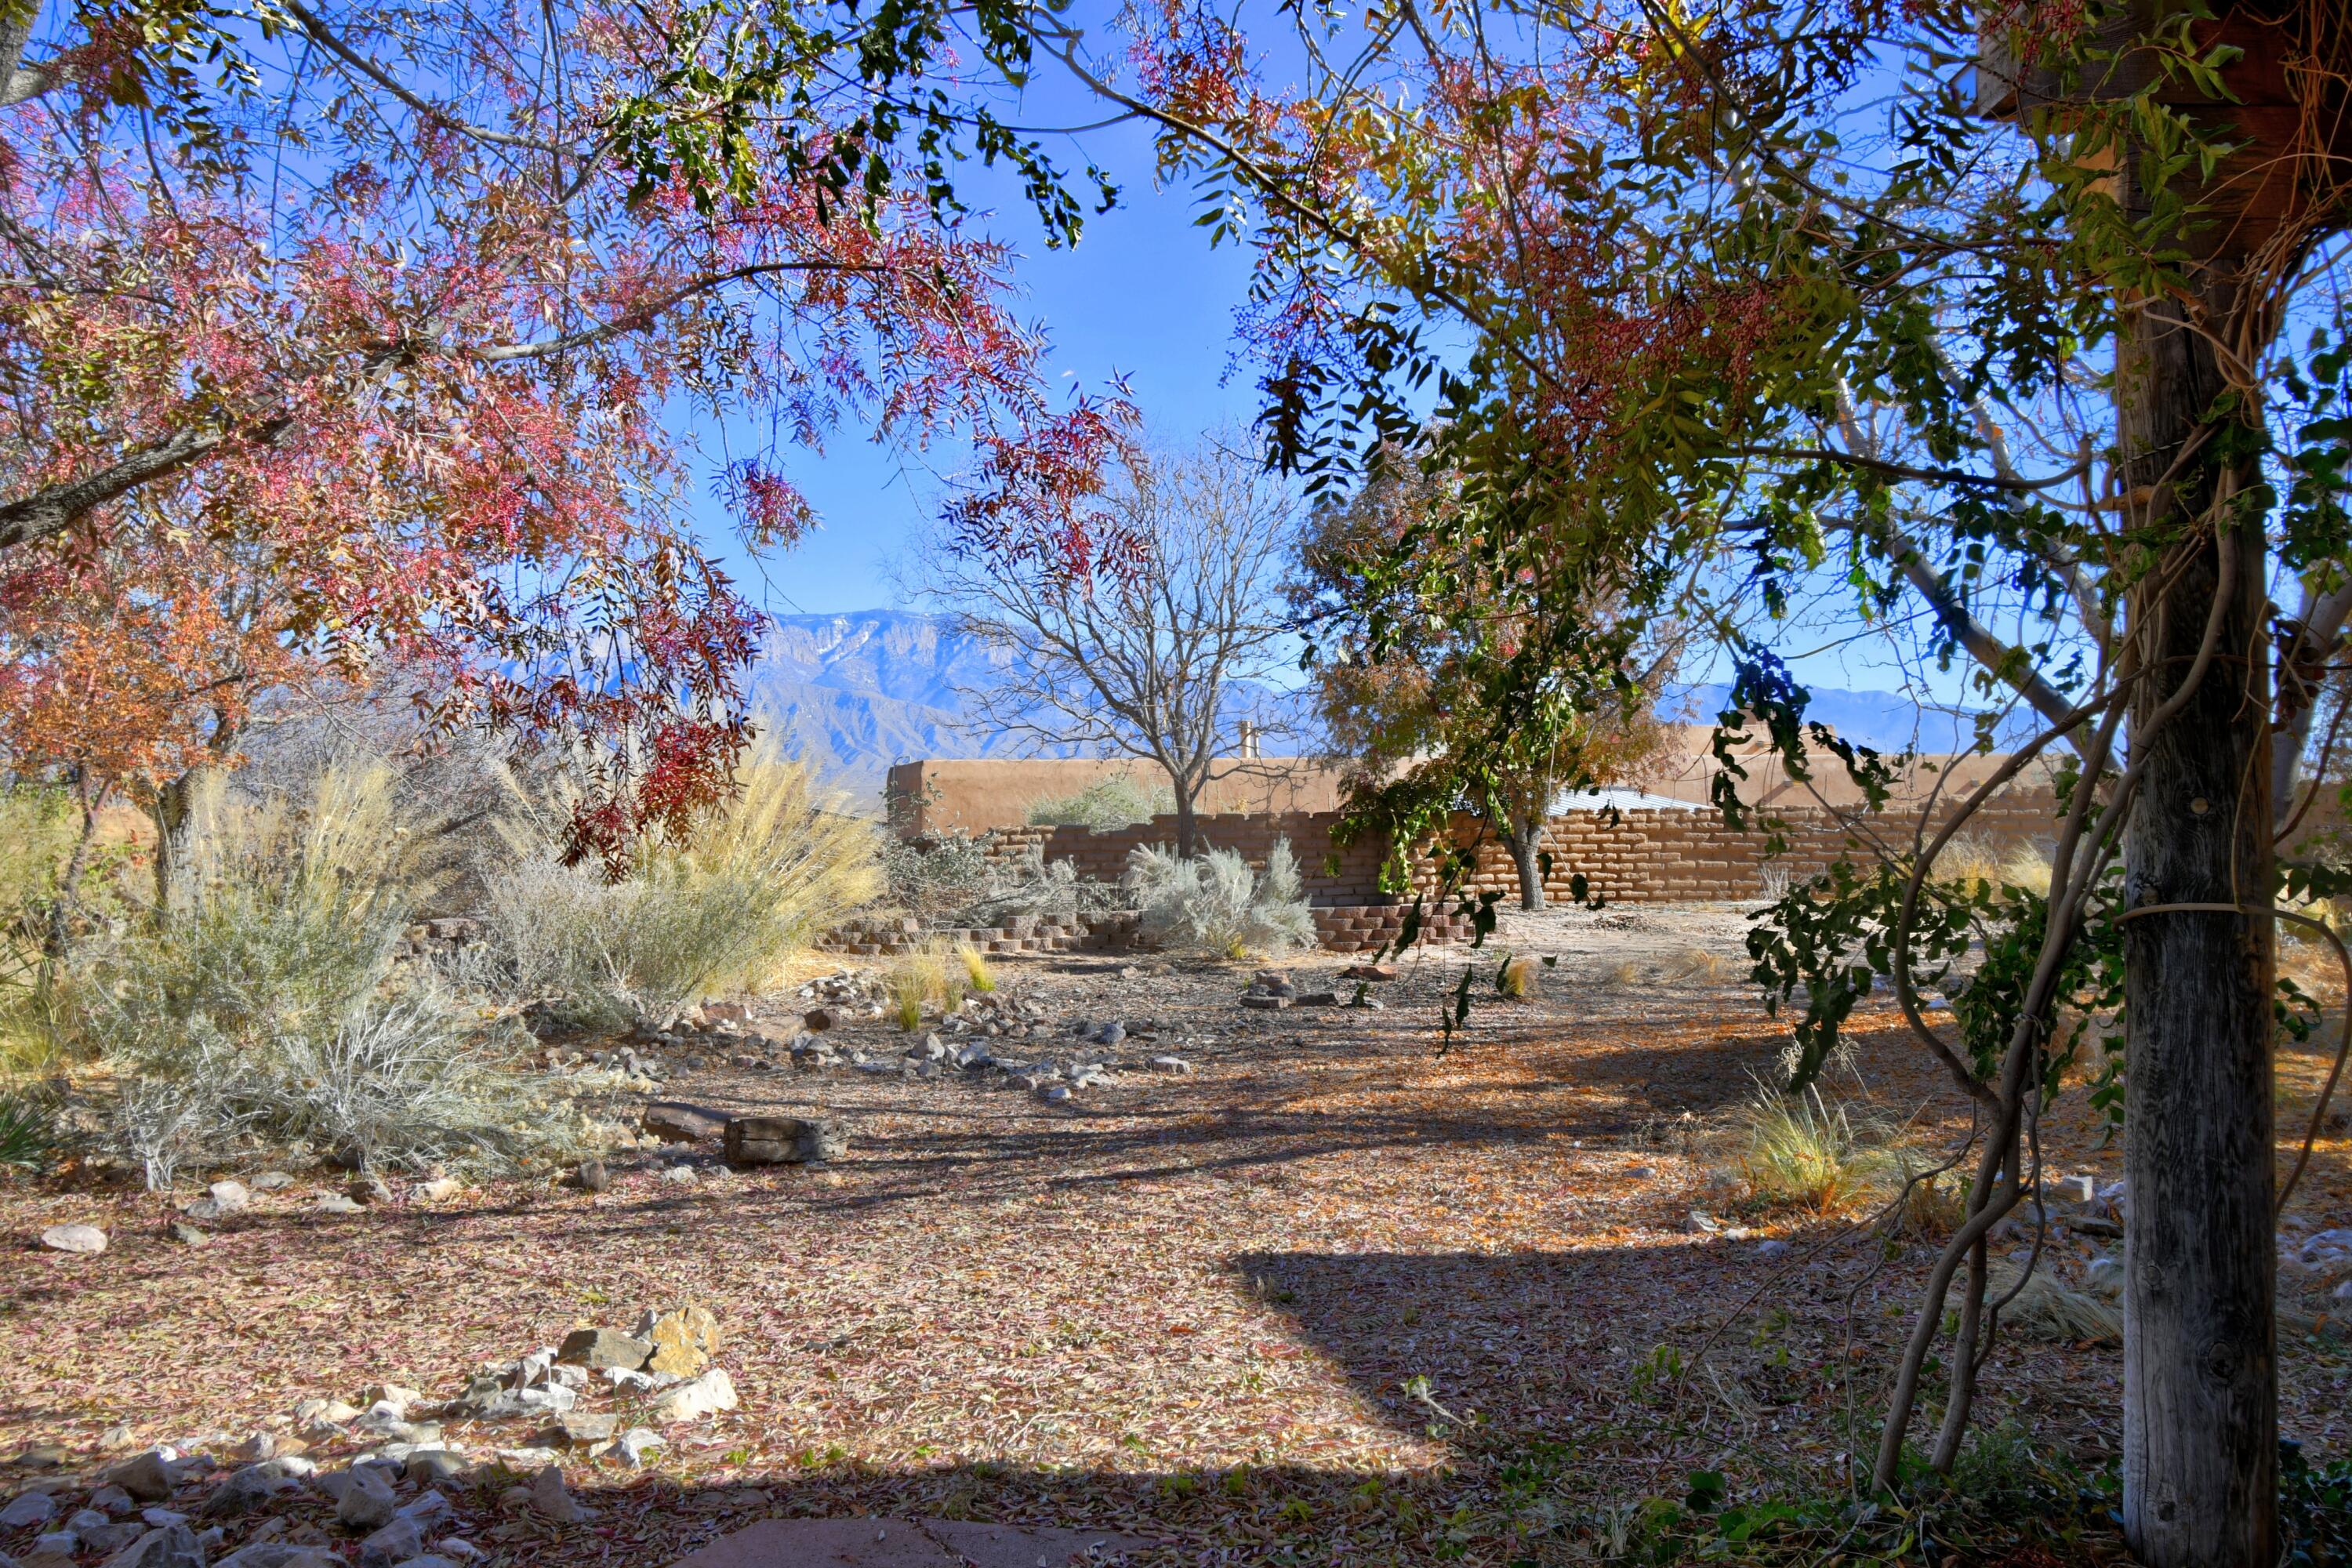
x=1215, y=904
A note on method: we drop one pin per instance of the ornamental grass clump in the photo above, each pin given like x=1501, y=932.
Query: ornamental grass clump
x=1216, y=905
x=761, y=877
x=928, y=980
x=1803, y=1151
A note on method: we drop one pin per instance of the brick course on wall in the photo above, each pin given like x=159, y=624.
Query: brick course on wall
x=1639, y=857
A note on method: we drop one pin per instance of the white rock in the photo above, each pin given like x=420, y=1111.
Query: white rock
x=549, y=1497
x=712, y=1391
x=635, y=1444
x=432, y=1505
x=1170, y=1064
x=624, y=1380
x=457, y=1549
x=367, y=1501
x=527, y=1458
x=163, y=1518
x=228, y=1196
x=333, y=1411
x=679, y=1176
x=74, y=1238
x=396, y=1542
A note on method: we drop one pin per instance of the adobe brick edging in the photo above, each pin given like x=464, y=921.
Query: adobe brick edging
x=1656, y=856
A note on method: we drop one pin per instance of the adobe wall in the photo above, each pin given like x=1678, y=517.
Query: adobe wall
x=1642, y=857
x=976, y=796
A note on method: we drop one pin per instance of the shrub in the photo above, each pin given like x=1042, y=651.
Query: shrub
x=1804, y=1151
x=274, y=1011
x=936, y=877
x=763, y=877
x=977, y=974
x=1215, y=904
x=1118, y=800
x=1049, y=889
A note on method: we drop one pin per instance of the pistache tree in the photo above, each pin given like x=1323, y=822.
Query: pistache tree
x=434, y=322
x=1390, y=661
x=2019, y=325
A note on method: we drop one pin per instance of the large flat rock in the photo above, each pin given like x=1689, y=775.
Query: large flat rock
x=907, y=1544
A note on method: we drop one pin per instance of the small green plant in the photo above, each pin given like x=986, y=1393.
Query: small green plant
x=28, y=1133
x=2315, y=1511
x=977, y=975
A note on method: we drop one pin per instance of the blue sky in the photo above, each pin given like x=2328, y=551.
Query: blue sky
x=1143, y=295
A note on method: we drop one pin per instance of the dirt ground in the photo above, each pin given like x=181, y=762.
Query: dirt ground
x=1333, y=1297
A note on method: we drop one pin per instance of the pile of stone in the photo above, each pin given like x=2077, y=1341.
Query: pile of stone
x=749, y=1141
x=1271, y=990
x=164, y=1509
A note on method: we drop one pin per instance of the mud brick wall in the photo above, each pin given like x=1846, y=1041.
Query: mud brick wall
x=1640, y=856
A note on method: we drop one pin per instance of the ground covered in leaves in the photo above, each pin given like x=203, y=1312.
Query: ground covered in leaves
x=1333, y=1297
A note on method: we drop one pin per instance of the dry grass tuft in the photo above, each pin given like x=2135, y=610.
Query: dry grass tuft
x=923, y=982
x=1518, y=977
x=1971, y=863
x=1933, y=1206
x=1698, y=963
x=1624, y=975
x=977, y=975
x=1807, y=1151
x=2044, y=1309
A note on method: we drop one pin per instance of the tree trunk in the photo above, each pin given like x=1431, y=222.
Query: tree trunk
x=1187, y=833
x=170, y=812
x=2199, y=1393
x=1525, y=833
x=59, y=938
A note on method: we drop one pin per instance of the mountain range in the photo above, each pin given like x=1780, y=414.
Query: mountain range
x=850, y=694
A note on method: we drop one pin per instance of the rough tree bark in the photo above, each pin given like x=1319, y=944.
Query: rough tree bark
x=2200, y=1392
x=170, y=811
x=1188, y=835
x=1526, y=836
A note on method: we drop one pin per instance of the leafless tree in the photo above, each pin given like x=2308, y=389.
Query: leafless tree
x=1167, y=662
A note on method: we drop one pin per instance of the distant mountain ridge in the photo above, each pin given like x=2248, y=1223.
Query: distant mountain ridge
x=852, y=693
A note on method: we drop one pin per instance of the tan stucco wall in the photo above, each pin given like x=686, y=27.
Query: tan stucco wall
x=976, y=796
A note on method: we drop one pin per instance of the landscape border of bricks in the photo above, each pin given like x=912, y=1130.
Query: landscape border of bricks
x=1652, y=856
